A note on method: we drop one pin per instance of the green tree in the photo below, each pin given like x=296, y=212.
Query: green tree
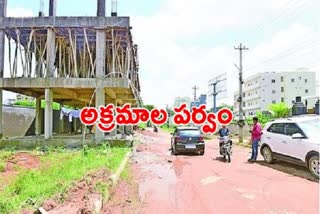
x=223, y=105
x=149, y=107
x=280, y=110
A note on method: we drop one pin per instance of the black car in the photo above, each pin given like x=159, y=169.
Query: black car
x=187, y=139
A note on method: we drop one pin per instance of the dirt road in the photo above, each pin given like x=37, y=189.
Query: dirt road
x=207, y=184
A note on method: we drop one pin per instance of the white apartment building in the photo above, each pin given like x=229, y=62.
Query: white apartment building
x=263, y=89
x=180, y=100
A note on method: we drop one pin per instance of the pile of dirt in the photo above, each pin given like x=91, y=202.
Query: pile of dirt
x=83, y=197
x=125, y=198
x=148, y=132
x=21, y=160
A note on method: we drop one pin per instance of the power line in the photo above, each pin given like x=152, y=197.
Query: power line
x=287, y=52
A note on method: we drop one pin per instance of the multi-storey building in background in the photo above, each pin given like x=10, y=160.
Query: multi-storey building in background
x=263, y=89
x=202, y=100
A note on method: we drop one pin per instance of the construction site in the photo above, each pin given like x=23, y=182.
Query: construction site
x=74, y=61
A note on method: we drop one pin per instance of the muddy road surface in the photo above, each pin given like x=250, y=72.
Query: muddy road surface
x=208, y=184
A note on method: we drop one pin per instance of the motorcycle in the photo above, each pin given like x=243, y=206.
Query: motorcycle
x=225, y=148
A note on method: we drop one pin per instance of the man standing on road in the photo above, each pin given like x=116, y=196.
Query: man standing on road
x=255, y=138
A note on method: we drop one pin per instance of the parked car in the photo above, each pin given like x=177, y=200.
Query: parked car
x=294, y=140
x=187, y=139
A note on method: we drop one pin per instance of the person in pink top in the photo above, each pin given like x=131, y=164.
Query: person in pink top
x=255, y=138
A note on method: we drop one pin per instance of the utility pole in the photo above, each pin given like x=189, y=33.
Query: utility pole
x=215, y=93
x=240, y=68
x=195, y=88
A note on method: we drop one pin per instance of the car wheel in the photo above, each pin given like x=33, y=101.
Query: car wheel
x=313, y=165
x=174, y=151
x=267, y=154
x=201, y=153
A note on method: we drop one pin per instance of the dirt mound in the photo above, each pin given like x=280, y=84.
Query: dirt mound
x=22, y=160
x=148, y=132
x=82, y=197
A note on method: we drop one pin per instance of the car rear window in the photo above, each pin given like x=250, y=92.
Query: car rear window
x=190, y=133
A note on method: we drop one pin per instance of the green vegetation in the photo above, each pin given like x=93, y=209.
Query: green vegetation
x=58, y=171
x=223, y=105
x=142, y=125
x=149, y=107
x=168, y=128
x=263, y=118
x=125, y=174
x=28, y=103
x=4, y=156
x=2, y=166
x=280, y=110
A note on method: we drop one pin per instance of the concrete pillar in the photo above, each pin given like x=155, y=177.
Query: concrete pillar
x=51, y=53
x=3, y=13
x=3, y=8
x=38, y=117
x=100, y=53
x=48, y=114
x=100, y=101
x=101, y=7
x=52, y=7
x=100, y=72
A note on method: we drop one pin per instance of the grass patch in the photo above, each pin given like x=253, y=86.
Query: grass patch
x=169, y=129
x=125, y=174
x=103, y=189
x=142, y=125
x=2, y=166
x=4, y=156
x=58, y=171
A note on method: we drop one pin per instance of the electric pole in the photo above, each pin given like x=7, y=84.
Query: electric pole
x=240, y=100
x=215, y=93
x=195, y=88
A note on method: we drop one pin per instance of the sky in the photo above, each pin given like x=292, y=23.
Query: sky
x=183, y=43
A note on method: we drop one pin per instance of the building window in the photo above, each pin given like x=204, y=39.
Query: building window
x=293, y=101
x=282, y=89
x=273, y=102
x=244, y=104
x=281, y=79
x=282, y=99
x=273, y=81
x=244, y=94
x=306, y=80
x=299, y=78
x=273, y=91
x=292, y=80
x=307, y=91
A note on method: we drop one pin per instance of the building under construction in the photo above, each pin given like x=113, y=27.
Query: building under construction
x=67, y=59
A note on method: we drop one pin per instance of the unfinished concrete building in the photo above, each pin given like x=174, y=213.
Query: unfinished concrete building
x=66, y=59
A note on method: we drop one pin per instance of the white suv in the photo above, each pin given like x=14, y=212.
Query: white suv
x=295, y=139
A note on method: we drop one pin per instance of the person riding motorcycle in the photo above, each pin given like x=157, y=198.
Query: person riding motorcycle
x=223, y=132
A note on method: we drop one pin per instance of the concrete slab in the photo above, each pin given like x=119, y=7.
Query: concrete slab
x=60, y=21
